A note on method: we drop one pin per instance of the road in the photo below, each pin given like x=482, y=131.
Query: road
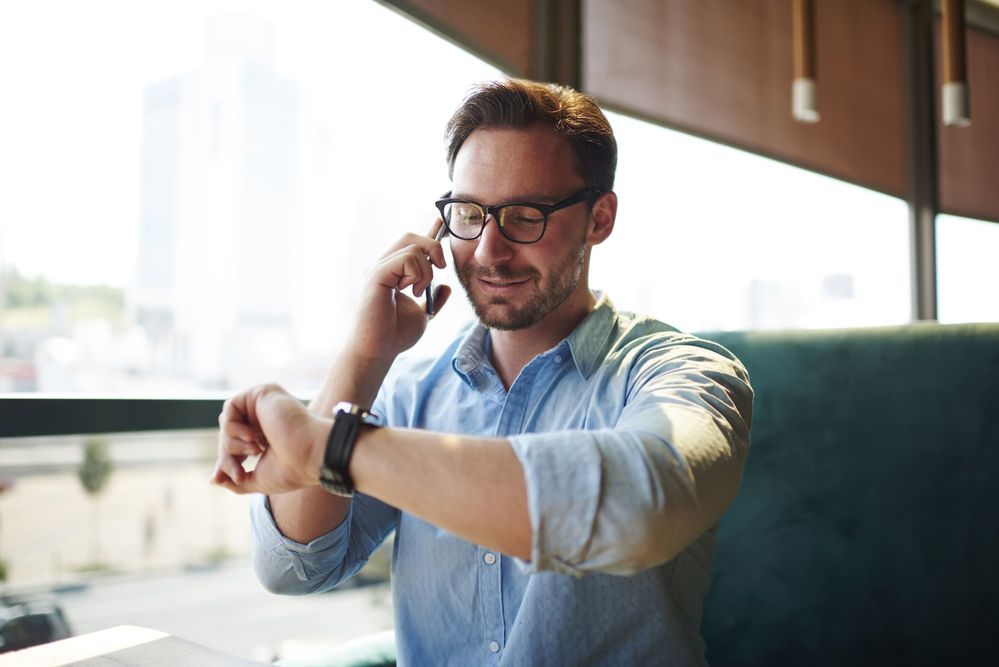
x=225, y=608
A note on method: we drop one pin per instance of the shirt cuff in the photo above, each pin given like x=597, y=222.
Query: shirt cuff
x=562, y=500
x=277, y=556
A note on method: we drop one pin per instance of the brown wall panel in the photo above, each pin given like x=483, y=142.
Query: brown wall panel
x=969, y=156
x=499, y=32
x=722, y=68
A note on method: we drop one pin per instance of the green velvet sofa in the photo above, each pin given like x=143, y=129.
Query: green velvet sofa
x=865, y=529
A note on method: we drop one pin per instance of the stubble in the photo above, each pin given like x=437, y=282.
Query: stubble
x=497, y=312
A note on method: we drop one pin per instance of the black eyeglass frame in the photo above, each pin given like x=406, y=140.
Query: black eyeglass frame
x=545, y=210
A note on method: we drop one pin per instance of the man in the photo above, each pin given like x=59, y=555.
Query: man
x=553, y=478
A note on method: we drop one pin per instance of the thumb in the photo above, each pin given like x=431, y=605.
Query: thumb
x=253, y=484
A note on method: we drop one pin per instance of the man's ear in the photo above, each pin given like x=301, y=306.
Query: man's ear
x=602, y=218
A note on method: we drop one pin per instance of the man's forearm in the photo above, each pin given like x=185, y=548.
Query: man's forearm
x=353, y=379
x=471, y=487
x=306, y=514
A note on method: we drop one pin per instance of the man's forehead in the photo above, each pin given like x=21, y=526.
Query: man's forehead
x=514, y=164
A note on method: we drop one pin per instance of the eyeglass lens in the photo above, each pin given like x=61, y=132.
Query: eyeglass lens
x=518, y=223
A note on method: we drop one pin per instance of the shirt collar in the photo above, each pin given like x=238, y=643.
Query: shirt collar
x=587, y=343
x=471, y=353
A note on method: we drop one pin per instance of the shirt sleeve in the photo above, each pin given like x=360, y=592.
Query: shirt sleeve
x=634, y=492
x=288, y=567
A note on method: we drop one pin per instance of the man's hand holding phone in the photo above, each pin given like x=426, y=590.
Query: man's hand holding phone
x=388, y=321
x=431, y=306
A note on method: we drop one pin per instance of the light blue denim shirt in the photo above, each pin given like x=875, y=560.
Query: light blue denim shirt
x=632, y=437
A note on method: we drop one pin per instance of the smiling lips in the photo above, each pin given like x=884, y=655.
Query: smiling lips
x=501, y=285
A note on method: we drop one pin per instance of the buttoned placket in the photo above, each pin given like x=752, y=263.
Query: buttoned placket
x=515, y=405
x=486, y=381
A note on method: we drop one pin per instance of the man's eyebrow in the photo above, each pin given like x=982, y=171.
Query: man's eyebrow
x=536, y=198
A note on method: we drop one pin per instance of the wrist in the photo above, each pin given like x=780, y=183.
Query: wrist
x=363, y=465
x=335, y=470
x=319, y=433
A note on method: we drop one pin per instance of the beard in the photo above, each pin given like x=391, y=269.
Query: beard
x=497, y=312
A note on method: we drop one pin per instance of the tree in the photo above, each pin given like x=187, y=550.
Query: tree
x=94, y=473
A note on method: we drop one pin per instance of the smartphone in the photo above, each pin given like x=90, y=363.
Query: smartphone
x=430, y=285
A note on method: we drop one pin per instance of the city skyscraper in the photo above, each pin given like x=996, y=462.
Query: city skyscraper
x=216, y=269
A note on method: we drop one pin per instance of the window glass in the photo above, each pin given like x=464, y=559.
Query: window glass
x=195, y=189
x=967, y=269
x=726, y=239
x=192, y=192
x=194, y=200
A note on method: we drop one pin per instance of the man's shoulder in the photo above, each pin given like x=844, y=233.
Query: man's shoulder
x=639, y=329
x=651, y=337
x=631, y=324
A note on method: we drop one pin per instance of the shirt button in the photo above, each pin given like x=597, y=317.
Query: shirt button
x=489, y=558
x=494, y=647
x=558, y=358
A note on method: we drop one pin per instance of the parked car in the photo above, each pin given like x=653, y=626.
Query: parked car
x=29, y=622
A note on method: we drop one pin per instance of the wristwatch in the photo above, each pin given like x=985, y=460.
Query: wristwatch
x=334, y=474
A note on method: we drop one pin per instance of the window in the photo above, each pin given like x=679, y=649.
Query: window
x=730, y=240
x=967, y=269
x=191, y=198
x=225, y=178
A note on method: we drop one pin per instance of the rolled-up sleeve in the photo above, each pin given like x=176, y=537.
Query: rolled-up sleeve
x=635, y=492
x=288, y=567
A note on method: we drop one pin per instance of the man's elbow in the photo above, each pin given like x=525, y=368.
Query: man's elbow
x=654, y=535
x=655, y=543
x=277, y=574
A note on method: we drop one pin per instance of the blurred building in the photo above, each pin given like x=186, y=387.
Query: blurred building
x=216, y=241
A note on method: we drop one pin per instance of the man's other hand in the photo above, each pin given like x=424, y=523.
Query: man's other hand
x=268, y=422
x=388, y=321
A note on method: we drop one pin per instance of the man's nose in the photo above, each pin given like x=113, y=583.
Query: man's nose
x=493, y=247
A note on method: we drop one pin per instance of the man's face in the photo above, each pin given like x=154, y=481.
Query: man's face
x=512, y=285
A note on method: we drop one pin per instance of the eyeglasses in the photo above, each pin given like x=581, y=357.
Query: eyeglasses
x=520, y=222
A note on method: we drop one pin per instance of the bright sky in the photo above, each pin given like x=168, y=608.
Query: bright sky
x=74, y=73
x=73, y=76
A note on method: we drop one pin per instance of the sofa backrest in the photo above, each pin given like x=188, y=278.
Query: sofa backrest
x=865, y=530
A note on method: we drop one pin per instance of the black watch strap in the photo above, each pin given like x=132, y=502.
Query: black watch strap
x=334, y=475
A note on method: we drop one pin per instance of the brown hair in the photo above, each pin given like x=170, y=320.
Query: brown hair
x=520, y=103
